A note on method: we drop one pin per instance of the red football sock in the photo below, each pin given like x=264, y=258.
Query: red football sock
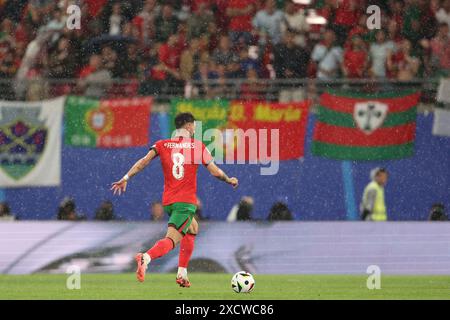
x=161, y=248
x=186, y=249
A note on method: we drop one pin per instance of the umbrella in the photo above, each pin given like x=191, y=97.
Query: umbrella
x=117, y=42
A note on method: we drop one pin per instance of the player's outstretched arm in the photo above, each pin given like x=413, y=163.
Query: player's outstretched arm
x=121, y=185
x=219, y=174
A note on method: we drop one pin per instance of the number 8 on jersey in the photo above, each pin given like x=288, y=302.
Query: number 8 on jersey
x=178, y=166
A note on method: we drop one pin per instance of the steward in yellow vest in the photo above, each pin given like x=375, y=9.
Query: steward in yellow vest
x=373, y=207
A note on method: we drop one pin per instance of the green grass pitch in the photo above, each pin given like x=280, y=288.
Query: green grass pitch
x=217, y=286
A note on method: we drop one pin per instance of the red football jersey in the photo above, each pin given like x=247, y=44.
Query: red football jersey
x=180, y=158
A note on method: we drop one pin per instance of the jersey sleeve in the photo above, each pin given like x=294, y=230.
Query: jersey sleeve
x=156, y=147
x=207, y=158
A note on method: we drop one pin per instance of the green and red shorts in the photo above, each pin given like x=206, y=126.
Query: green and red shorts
x=180, y=215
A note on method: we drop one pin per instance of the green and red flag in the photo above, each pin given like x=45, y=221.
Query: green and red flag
x=209, y=114
x=366, y=126
x=112, y=123
x=213, y=114
x=290, y=119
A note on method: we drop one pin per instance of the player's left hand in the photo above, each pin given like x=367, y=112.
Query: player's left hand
x=119, y=186
x=234, y=182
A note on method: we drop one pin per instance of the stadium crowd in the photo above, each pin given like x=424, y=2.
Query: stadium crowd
x=158, y=44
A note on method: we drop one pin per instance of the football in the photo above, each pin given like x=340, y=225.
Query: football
x=242, y=282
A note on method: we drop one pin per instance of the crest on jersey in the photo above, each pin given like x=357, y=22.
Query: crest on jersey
x=370, y=115
x=23, y=139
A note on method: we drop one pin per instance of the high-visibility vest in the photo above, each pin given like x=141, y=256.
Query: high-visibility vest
x=379, y=207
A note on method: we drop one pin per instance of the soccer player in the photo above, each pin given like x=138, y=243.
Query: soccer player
x=180, y=158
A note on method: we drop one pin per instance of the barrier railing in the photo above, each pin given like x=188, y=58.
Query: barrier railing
x=283, y=90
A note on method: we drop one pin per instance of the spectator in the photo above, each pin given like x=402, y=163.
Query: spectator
x=169, y=61
x=183, y=12
x=411, y=22
x=19, y=49
x=247, y=62
x=7, y=31
x=240, y=14
x=223, y=87
x=145, y=21
x=327, y=56
x=242, y=211
x=280, y=212
x=129, y=30
x=210, y=39
x=252, y=89
x=220, y=15
x=440, y=51
x=94, y=28
x=190, y=59
x=396, y=8
x=204, y=76
x=355, y=61
x=116, y=20
x=150, y=84
x=443, y=14
x=437, y=213
x=95, y=79
x=267, y=22
x=67, y=210
x=346, y=15
x=181, y=33
x=428, y=22
x=110, y=61
x=33, y=17
x=57, y=23
x=61, y=61
x=36, y=79
x=166, y=24
x=8, y=69
x=94, y=64
x=393, y=32
x=5, y=212
x=130, y=67
x=415, y=20
x=290, y=60
x=402, y=64
x=156, y=211
x=419, y=21
x=195, y=4
x=361, y=30
x=373, y=207
x=223, y=55
x=105, y=212
x=199, y=22
x=295, y=22
x=379, y=54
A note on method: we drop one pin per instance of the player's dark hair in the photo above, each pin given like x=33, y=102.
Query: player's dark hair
x=183, y=118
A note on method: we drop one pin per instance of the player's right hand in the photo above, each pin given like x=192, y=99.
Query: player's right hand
x=119, y=186
x=234, y=182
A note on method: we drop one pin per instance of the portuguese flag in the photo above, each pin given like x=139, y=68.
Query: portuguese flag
x=366, y=126
x=109, y=123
